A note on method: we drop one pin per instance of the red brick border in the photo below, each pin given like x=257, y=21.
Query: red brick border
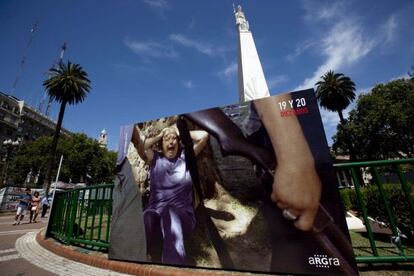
x=123, y=267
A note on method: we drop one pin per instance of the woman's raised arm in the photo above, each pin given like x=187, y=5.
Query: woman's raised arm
x=144, y=145
x=200, y=138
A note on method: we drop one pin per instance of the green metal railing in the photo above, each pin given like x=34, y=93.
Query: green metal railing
x=380, y=251
x=82, y=216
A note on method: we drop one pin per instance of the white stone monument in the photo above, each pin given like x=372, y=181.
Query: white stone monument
x=103, y=139
x=252, y=82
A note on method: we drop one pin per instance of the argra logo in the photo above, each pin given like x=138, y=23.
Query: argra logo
x=323, y=261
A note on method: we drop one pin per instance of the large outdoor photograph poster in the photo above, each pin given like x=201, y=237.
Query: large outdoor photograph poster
x=247, y=187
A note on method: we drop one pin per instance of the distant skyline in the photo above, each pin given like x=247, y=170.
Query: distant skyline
x=153, y=58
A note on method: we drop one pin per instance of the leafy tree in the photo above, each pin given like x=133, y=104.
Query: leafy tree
x=335, y=92
x=30, y=157
x=381, y=125
x=68, y=84
x=84, y=160
x=87, y=161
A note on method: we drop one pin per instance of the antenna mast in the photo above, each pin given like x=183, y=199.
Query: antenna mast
x=57, y=62
x=19, y=72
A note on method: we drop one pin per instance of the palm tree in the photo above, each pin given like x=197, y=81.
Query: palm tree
x=67, y=84
x=335, y=92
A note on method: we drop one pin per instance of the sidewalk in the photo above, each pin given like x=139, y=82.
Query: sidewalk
x=29, y=249
x=21, y=254
x=79, y=261
x=55, y=258
x=24, y=251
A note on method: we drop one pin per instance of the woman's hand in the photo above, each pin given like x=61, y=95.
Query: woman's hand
x=297, y=189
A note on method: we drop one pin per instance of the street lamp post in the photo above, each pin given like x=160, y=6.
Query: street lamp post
x=9, y=144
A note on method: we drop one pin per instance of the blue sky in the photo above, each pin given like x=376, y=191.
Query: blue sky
x=151, y=58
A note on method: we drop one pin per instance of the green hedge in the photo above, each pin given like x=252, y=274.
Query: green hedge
x=375, y=207
x=348, y=197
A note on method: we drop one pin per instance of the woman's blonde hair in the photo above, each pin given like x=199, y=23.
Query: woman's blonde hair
x=173, y=129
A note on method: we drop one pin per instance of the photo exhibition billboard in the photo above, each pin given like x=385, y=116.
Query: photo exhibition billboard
x=246, y=187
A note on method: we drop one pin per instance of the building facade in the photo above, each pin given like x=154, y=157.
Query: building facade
x=20, y=122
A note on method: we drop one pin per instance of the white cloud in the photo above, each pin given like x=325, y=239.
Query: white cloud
x=275, y=81
x=361, y=91
x=158, y=4
x=150, y=49
x=389, y=29
x=204, y=48
x=402, y=76
x=188, y=84
x=300, y=50
x=344, y=45
x=327, y=13
x=322, y=11
x=229, y=71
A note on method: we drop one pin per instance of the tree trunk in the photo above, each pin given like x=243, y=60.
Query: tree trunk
x=341, y=117
x=48, y=177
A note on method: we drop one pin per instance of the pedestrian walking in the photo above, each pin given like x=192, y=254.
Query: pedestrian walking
x=24, y=202
x=34, y=207
x=45, y=205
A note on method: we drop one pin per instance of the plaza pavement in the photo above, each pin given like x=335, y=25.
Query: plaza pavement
x=24, y=251
x=21, y=254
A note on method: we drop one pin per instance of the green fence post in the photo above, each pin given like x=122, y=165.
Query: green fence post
x=108, y=223
x=74, y=195
x=81, y=212
x=87, y=212
x=95, y=203
x=388, y=210
x=364, y=211
x=62, y=211
x=101, y=212
x=65, y=210
x=62, y=220
x=52, y=217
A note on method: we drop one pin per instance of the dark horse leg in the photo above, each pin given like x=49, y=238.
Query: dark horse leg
x=230, y=137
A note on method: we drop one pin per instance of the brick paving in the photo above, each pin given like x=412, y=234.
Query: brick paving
x=30, y=250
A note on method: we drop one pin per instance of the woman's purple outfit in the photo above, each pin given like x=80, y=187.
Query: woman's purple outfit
x=170, y=210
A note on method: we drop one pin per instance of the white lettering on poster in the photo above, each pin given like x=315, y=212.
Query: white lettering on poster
x=323, y=261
